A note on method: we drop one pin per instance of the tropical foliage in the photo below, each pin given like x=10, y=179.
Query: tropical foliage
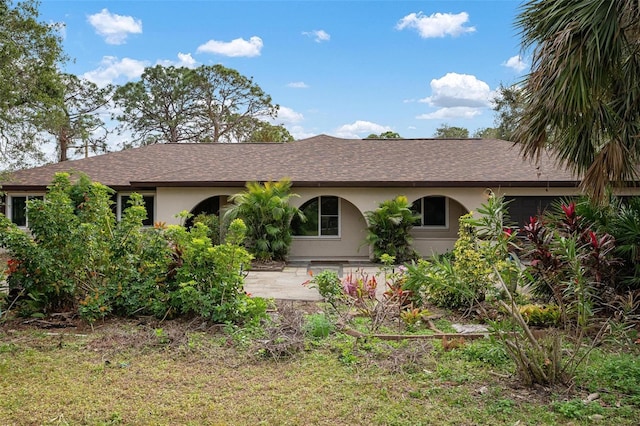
x=389, y=230
x=457, y=281
x=619, y=217
x=581, y=95
x=267, y=213
x=571, y=264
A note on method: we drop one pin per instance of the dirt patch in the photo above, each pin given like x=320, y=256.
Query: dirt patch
x=267, y=265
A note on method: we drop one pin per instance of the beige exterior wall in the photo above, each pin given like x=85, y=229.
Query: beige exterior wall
x=354, y=202
x=170, y=201
x=429, y=241
x=346, y=246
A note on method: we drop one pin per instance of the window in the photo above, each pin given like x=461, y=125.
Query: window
x=521, y=208
x=433, y=211
x=323, y=218
x=18, y=208
x=149, y=205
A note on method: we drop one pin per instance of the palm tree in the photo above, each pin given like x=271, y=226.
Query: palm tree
x=389, y=229
x=266, y=211
x=582, y=96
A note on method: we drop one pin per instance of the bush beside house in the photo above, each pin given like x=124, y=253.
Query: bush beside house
x=78, y=258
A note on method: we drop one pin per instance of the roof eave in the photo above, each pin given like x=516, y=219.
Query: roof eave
x=367, y=184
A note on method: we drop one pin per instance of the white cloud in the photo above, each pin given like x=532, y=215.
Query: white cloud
x=112, y=69
x=457, y=95
x=360, y=128
x=454, y=90
x=318, y=35
x=288, y=115
x=298, y=85
x=450, y=112
x=184, y=60
x=437, y=24
x=298, y=132
x=516, y=63
x=233, y=48
x=114, y=28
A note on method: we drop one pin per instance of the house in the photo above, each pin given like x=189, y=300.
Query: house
x=337, y=181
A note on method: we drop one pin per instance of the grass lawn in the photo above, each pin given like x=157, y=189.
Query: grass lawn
x=180, y=373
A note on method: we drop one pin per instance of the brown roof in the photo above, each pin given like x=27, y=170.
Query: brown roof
x=317, y=161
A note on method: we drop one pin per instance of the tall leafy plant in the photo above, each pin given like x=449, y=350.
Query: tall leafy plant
x=457, y=283
x=266, y=211
x=571, y=260
x=209, y=279
x=63, y=260
x=621, y=219
x=78, y=258
x=389, y=230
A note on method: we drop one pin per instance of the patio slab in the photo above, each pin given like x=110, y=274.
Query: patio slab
x=288, y=283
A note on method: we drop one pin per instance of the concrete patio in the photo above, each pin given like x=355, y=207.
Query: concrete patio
x=288, y=283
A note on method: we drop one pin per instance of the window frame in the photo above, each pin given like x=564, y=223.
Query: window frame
x=9, y=205
x=121, y=206
x=320, y=215
x=422, y=213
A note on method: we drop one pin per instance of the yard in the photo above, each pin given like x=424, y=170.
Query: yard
x=126, y=330
x=178, y=372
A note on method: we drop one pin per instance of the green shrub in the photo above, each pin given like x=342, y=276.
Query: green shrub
x=265, y=210
x=138, y=282
x=209, y=279
x=328, y=285
x=450, y=283
x=389, y=230
x=66, y=258
x=212, y=222
x=78, y=258
x=540, y=315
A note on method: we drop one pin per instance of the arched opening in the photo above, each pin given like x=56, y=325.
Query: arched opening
x=208, y=206
x=334, y=230
x=436, y=230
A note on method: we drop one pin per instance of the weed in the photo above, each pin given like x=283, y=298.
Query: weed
x=577, y=409
x=318, y=326
x=502, y=406
x=486, y=351
x=161, y=336
x=347, y=357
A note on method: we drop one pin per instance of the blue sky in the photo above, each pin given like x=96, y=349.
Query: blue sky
x=343, y=68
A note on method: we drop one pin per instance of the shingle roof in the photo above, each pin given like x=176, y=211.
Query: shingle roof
x=317, y=161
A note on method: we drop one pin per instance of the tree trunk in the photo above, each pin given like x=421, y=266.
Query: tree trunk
x=63, y=143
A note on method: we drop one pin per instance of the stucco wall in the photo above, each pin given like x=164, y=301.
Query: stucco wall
x=353, y=229
x=428, y=241
x=354, y=202
x=170, y=201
